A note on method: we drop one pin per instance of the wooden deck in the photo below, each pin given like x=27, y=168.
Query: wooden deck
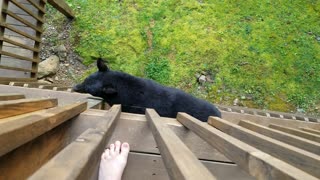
x=49, y=134
x=66, y=134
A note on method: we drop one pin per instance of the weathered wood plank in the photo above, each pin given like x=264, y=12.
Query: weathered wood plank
x=36, y=5
x=255, y=162
x=7, y=97
x=17, y=69
x=265, y=121
x=3, y=17
x=16, y=131
x=17, y=51
x=27, y=10
x=22, y=27
x=17, y=107
x=182, y=165
x=65, y=98
x=134, y=129
x=47, y=86
x=311, y=131
x=149, y=166
x=18, y=56
x=18, y=31
x=17, y=44
x=9, y=79
x=301, y=143
x=299, y=158
x=11, y=74
x=296, y=132
x=62, y=88
x=83, y=155
x=20, y=19
x=12, y=7
x=25, y=84
x=38, y=35
x=29, y=157
x=63, y=7
x=18, y=38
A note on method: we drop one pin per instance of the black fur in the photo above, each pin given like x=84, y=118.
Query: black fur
x=134, y=93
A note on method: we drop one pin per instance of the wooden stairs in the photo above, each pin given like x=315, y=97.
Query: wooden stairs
x=46, y=134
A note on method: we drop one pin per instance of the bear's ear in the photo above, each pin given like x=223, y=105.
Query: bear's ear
x=102, y=66
x=110, y=91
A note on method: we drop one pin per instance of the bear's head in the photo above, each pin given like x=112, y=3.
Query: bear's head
x=101, y=83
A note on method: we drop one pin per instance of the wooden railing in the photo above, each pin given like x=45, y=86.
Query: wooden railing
x=20, y=36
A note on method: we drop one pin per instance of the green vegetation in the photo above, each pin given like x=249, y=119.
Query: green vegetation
x=266, y=50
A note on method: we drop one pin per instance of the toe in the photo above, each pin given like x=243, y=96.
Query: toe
x=112, y=149
x=107, y=153
x=117, y=148
x=125, y=148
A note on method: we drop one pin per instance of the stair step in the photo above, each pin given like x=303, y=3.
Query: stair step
x=82, y=156
x=11, y=96
x=18, y=130
x=21, y=106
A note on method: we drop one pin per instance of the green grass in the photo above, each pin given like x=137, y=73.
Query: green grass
x=267, y=50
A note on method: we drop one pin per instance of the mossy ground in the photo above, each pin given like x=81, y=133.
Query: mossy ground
x=268, y=50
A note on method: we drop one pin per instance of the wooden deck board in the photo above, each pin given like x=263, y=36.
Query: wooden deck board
x=182, y=165
x=256, y=162
x=304, y=160
x=6, y=97
x=266, y=121
x=150, y=166
x=16, y=131
x=22, y=106
x=81, y=155
x=297, y=132
x=296, y=141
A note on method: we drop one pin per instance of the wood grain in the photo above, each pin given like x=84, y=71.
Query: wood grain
x=18, y=56
x=20, y=19
x=180, y=162
x=296, y=132
x=7, y=97
x=257, y=163
x=36, y=5
x=9, y=79
x=27, y=10
x=311, y=131
x=17, y=107
x=134, y=129
x=5, y=39
x=150, y=166
x=265, y=121
x=62, y=7
x=26, y=84
x=16, y=69
x=301, y=143
x=299, y=158
x=14, y=133
x=28, y=158
x=47, y=86
x=18, y=31
x=81, y=156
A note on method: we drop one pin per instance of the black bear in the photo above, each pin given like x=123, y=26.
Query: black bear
x=135, y=94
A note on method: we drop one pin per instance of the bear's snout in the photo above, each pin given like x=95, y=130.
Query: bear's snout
x=78, y=88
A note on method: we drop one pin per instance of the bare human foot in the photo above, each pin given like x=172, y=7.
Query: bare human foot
x=113, y=161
